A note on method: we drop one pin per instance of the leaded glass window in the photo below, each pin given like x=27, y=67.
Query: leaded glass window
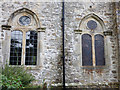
x=16, y=48
x=24, y=33
x=99, y=50
x=86, y=50
x=31, y=48
x=93, y=50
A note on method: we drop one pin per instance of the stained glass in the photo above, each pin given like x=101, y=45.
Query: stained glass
x=86, y=50
x=99, y=50
x=92, y=24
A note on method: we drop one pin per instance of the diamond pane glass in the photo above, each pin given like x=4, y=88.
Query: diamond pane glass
x=31, y=48
x=16, y=48
x=86, y=50
x=99, y=50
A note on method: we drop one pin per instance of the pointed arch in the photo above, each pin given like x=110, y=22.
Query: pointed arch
x=94, y=16
x=99, y=50
x=24, y=10
x=31, y=48
x=16, y=47
x=87, y=50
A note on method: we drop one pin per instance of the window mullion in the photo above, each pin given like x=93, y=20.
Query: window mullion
x=23, y=49
x=93, y=50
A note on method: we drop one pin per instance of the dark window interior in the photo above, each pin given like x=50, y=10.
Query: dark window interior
x=16, y=48
x=86, y=50
x=31, y=48
x=99, y=50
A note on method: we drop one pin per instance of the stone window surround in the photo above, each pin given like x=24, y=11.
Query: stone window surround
x=105, y=33
x=40, y=47
x=106, y=49
x=34, y=26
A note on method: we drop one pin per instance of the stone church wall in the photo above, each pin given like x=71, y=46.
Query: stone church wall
x=50, y=15
x=74, y=73
x=118, y=27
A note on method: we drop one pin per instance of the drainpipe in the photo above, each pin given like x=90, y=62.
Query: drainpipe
x=63, y=44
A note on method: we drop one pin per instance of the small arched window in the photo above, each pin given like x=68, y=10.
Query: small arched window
x=16, y=52
x=92, y=41
x=99, y=50
x=24, y=33
x=93, y=50
x=31, y=48
x=86, y=50
x=24, y=42
x=16, y=47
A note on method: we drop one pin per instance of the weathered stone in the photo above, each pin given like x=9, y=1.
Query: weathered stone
x=113, y=71
x=77, y=14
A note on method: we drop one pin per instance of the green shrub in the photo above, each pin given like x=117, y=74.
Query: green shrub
x=15, y=77
x=1, y=80
x=11, y=82
x=31, y=86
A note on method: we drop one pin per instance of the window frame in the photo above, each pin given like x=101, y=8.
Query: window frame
x=35, y=25
x=34, y=47
x=10, y=45
x=101, y=48
x=24, y=31
x=88, y=51
x=40, y=47
x=93, y=49
x=100, y=29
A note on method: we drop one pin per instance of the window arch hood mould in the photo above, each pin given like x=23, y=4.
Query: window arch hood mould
x=24, y=18
x=92, y=17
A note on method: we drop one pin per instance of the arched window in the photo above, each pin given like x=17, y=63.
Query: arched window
x=31, y=48
x=92, y=45
x=16, y=48
x=99, y=50
x=16, y=52
x=26, y=33
x=86, y=50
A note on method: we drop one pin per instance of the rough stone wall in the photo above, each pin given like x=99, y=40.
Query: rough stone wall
x=118, y=27
x=0, y=38
x=49, y=15
x=74, y=72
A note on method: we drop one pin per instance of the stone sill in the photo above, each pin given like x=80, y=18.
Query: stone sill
x=32, y=67
x=94, y=67
x=28, y=67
